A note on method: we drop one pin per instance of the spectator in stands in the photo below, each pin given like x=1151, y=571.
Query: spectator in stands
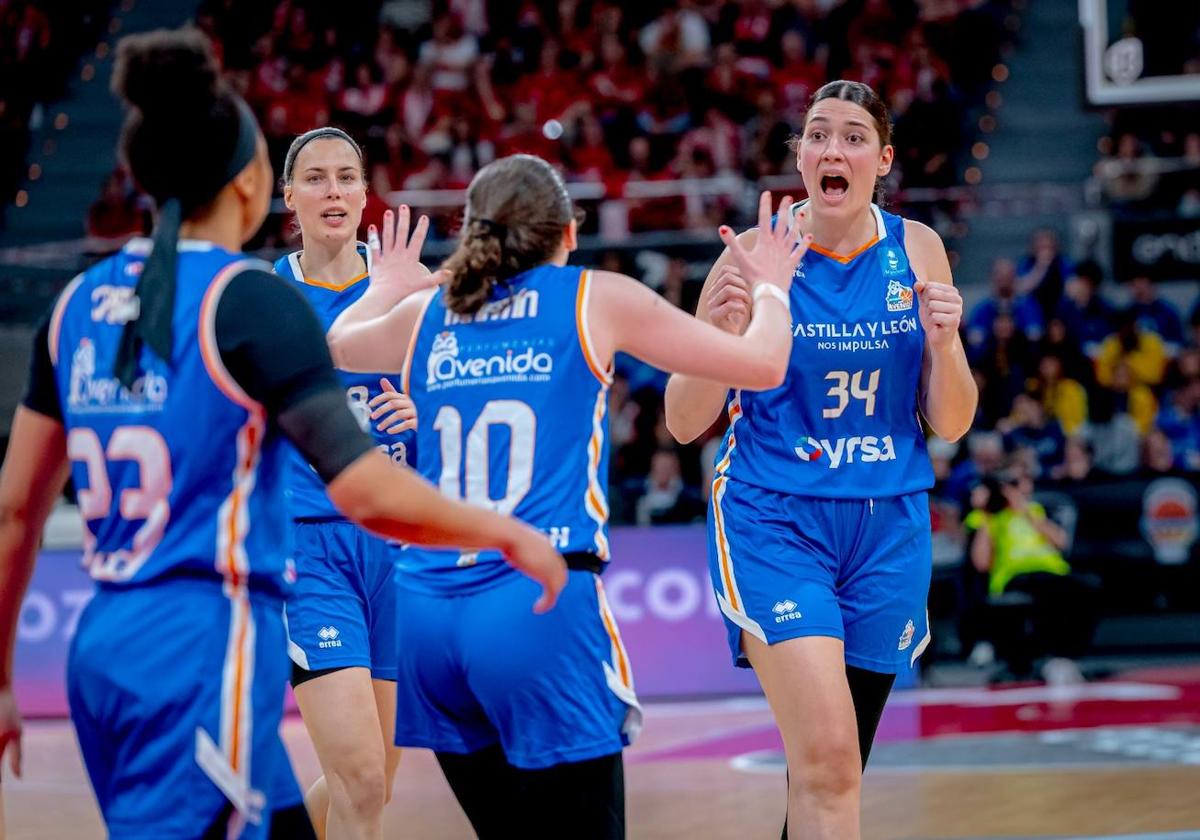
x=118, y=214
x=1079, y=461
x=1155, y=315
x=795, y=77
x=1089, y=319
x=363, y=105
x=1029, y=427
x=1142, y=351
x=1064, y=398
x=1134, y=397
x=1026, y=314
x=1042, y=272
x=677, y=40
x=665, y=497
x=1179, y=420
x=1113, y=434
x=1021, y=550
x=1158, y=455
x=1124, y=176
x=450, y=53
x=985, y=455
x=1076, y=364
x=1005, y=360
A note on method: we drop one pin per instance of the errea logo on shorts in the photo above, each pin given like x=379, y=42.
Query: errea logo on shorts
x=329, y=637
x=785, y=611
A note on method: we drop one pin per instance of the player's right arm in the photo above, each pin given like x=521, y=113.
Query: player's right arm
x=291, y=375
x=625, y=315
x=35, y=470
x=693, y=403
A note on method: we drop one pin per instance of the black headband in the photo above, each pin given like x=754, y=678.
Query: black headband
x=307, y=137
x=155, y=291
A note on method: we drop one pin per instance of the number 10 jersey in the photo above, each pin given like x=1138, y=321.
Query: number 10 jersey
x=513, y=406
x=844, y=424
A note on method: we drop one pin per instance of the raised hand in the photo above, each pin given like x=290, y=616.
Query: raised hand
x=729, y=301
x=398, y=411
x=396, y=258
x=940, y=311
x=777, y=250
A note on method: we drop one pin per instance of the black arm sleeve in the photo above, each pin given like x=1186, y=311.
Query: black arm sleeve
x=272, y=344
x=41, y=391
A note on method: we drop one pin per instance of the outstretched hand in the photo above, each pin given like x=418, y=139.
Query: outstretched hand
x=396, y=257
x=777, y=250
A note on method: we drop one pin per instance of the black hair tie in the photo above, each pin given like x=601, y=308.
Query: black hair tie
x=494, y=229
x=155, y=293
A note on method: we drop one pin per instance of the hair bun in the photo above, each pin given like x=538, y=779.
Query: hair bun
x=166, y=70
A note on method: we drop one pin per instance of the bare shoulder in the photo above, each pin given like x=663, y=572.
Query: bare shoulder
x=927, y=252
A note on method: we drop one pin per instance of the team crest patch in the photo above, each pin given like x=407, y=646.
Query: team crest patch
x=907, y=636
x=899, y=297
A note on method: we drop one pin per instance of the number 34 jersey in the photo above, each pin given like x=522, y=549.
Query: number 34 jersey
x=844, y=424
x=514, y=417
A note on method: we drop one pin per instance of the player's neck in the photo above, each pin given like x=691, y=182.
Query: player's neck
x=331, y=263
x=842, y=234
x=221, y=226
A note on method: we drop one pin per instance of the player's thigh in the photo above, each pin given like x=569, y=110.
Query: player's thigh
x=341, y=716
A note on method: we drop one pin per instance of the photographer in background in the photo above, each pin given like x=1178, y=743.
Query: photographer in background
x=1020, y=549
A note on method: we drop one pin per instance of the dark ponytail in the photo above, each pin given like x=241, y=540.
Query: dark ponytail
x=185, y=137
x=517, y=210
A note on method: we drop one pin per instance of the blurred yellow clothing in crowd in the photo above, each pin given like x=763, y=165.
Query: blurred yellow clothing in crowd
x=1147, y=362
x=1066, y=401
x=1143, y=407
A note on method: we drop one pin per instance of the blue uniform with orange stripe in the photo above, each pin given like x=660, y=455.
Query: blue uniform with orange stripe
x=819, y=523
x=513, y=406
x=343, y=612
x=177, y=671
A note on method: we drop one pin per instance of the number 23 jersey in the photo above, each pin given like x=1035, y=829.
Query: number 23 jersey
x=514, y=417
x=844, y=424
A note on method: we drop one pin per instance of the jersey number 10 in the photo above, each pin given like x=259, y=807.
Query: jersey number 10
x=473, y=487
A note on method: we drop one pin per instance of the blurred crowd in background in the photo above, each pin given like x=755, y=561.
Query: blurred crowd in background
x=1080, y=374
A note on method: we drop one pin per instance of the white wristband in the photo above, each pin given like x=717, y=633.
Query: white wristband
x=771, y=290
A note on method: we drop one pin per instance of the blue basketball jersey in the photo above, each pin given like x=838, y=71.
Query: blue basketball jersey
x=514, y=417
x=181, y=474
x=305, y=490
x=844, y=424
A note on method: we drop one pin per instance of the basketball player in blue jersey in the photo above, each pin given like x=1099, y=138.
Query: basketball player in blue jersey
x=159, y=387
x=509, y=364
x=819, y=524
x=341, y=617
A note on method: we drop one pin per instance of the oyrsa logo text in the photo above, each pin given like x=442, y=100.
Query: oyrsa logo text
x=866, y=449
x=444, y=366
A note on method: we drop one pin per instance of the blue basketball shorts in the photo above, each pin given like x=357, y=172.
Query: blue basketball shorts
x=176, y=692
x=480, y=669
x=342, y=613
x=786, y=566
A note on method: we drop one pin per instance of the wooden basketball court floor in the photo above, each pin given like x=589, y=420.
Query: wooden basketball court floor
x=1116, y=758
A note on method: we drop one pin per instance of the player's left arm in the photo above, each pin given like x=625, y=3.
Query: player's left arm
x=948, y=394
